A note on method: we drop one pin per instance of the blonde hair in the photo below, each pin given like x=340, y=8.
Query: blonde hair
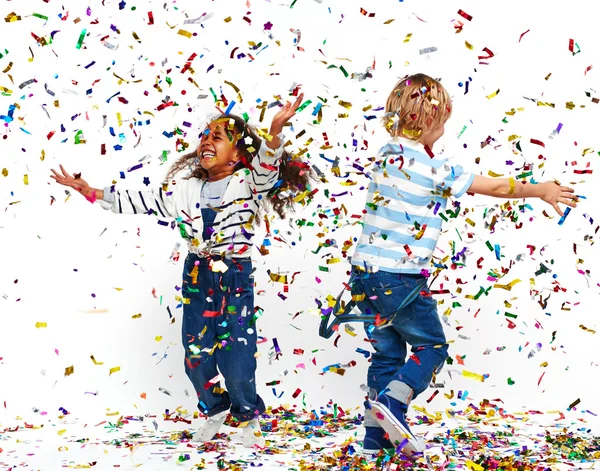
x=414, y=100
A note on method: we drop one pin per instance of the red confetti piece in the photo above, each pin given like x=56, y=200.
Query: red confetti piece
x=435, y=393
x=296, y=393
x=571, y=45
x=588, y=69
x=150, y=18
x=365, y=13
x=539, y=143
x=523, y=34
x=489, y=53
x=429, y=151
x=466, y=16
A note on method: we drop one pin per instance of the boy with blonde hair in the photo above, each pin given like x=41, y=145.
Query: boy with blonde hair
x=407, y=195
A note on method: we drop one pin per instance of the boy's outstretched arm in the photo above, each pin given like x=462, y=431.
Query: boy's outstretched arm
x=549, y=192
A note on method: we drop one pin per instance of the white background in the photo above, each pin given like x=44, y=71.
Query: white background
x=41, y=245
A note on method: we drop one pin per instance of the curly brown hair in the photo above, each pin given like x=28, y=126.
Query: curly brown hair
x=294, y=174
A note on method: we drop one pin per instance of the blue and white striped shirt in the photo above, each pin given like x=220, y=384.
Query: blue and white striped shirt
x=408, y=192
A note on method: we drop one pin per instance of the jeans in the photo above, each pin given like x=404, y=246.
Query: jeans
x=417, y=325
x=219, y=334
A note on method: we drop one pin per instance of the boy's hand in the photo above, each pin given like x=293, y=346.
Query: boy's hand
x=284, y=115
x=75, y=182
x=553, y=194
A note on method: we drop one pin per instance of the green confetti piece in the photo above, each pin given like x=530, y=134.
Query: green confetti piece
x=325, y=269
x=344, y=71
x=213, y=94
x=462, y=130
x=489, y=246
x=304, y=105
x=512, y=316
x=524, y=175
x=37, y=15
x=78, y=139
x=169, y=80
x=293, y=3
x=81, y=38
x=5, y=53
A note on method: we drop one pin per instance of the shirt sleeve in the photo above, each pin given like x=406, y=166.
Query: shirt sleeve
x=159, y=201
x=452, y=179
x=265, y=172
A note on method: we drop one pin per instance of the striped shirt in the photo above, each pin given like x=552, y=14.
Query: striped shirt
x=180, y=200
x=406, y=196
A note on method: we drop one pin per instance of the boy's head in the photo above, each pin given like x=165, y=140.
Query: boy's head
x=417, y=109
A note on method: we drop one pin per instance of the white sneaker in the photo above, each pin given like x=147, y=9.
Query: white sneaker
x=253, y=435
x=210, y=428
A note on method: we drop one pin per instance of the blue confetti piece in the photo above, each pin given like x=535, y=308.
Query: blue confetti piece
x=229, y=108
x=564, y=216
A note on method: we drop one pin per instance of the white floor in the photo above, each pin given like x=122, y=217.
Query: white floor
x=295, y=446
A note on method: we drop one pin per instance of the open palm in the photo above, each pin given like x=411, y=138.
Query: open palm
x=75, y=182
x=285, y=114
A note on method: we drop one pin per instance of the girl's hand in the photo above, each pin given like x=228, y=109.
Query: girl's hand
x=75, y=182
x=554, y=194
x=284, y=115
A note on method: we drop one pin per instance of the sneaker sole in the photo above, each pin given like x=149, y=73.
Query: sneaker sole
x=397, y=431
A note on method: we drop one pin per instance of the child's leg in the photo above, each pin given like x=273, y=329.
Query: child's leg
x=199, y=335
x=389, y=356
x=236, y=330
x=419, y=325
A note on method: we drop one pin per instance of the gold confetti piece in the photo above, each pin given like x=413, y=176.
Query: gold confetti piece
x=544, y=365
x=581, y=326
x=475, y=376
x=5, y=172
x=345, y=104
x=185, y=33
x=489, y=97
x=96, y=362
x=26, y=179
x=494, y=174
x=511, y=182
x=69, y=370
x=158, y=338
x=469, y=222
x=350, y=330
x=509, y=286
x=114, y=370
x=110, y=414
x=12, y=17
x=407, y=38
x=227, y=20
x=136, y=316
x=61, y=432
x=469, y=46
x=41, y=325
x=389, y=21
x=473, y=466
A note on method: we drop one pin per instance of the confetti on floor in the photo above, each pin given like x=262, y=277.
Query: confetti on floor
x=300, y=441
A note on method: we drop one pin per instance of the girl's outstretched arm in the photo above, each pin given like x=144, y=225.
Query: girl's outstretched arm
x=265, y=172
x=153, y=201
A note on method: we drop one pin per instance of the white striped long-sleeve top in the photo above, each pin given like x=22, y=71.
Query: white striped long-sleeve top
x=180, y=200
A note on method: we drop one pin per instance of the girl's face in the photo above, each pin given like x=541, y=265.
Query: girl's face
x=217, y=150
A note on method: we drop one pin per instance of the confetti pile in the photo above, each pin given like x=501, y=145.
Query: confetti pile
x=118, y=90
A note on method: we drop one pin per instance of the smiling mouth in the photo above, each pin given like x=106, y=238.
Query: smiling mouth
x=208, y=155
